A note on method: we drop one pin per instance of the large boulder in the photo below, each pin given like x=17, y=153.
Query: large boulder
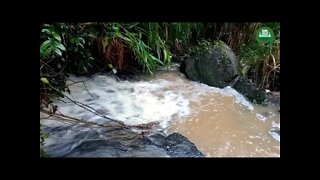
x=216, y=66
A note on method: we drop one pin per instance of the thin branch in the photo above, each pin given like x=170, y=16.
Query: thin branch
x=73, y=119
x=89, y=108
x=87, y=90
x=92, y=110
x=75, y=82
x=47, y=117
x=83, y=82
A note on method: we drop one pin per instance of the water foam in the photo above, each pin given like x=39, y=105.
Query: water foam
x=131, y=102
x=227, y=91
x=138, y=102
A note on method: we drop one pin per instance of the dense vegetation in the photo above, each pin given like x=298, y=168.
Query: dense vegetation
x=87, y=48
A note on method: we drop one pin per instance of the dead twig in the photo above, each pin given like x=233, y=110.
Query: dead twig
x=77, y=120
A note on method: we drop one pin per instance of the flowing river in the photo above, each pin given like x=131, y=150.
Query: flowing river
x=220, y=122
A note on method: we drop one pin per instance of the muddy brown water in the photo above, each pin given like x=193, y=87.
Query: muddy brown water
x=222, y=128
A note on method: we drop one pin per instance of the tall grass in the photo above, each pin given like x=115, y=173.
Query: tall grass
x=150, y=43
x=262, y=62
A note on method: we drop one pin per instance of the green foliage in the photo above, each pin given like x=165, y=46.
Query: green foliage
x=140, y=50
x=52, y=46
x=51, y=53
x=78, y=39
x=184, y=31
x=144, y=40
x=262, y=62
x=44, y=80
x=157, y=43
x=201, y=46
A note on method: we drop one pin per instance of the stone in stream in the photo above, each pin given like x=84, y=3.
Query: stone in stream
x=179, y=146
x=243, y=85
x=275, y=133
x=274, y=98
x=117, y=142
x=217, y=66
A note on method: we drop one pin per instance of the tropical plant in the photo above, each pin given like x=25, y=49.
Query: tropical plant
x=52, y=45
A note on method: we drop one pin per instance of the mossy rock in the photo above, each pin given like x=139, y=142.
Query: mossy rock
x=216, y=66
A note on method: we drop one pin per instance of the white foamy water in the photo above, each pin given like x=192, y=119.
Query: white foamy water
x=131, y=102
x=156, y=100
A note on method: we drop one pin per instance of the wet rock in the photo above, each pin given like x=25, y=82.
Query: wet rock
x=275, y=133
x=249, y=90
x=216, y=66
x=98, y=148
x=179, y=146
x=118, y=142
x=158, y=139
x=274, y=98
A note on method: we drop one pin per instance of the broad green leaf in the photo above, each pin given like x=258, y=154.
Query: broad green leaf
x=59, y=45
x=56, y=50
x=56, y=36
x=46, y=52
x=110, y=65
x=46, y=31
x=45, y=44
x=44, y=80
